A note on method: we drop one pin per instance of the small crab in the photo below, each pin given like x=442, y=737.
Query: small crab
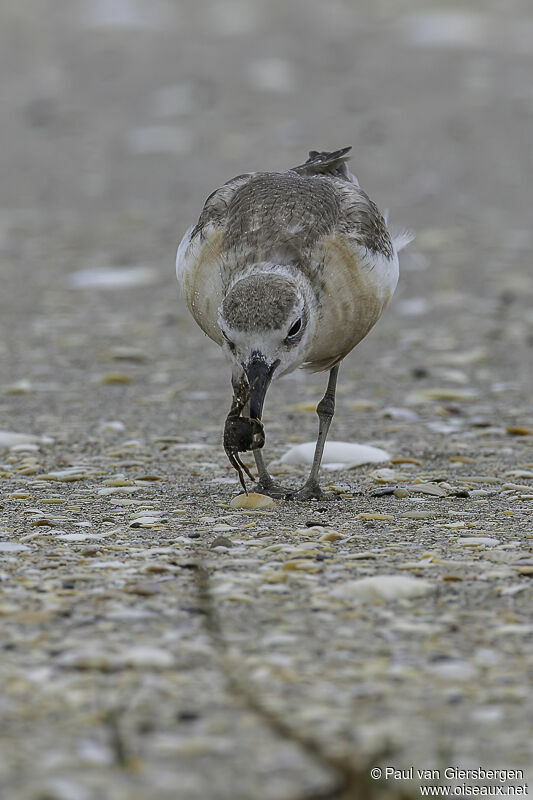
x=242, y=434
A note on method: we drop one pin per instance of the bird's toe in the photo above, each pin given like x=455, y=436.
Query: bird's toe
x=313, y=491
x=274, y=490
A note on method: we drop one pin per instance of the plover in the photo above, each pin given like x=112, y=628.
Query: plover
x=286, y=270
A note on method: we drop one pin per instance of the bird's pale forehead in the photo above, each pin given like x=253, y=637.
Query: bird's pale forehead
x=259, y=302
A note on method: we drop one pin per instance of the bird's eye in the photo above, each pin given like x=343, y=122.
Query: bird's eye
x=295, y=328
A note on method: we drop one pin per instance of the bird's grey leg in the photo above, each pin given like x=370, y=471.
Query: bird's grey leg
x=262, y=472
x=266, y=485
x=325, y=410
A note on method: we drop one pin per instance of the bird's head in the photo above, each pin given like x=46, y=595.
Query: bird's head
x=265, y=324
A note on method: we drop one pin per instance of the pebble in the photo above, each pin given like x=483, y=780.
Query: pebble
x=93, y=752
x=330, y=536
x=301, y=565
x=118, y=480
x=400, y=493
x=384, y=475
x=23, y=386
x=109, y=490
x=144, y=588
x=28, y=447
x=91, y=551
x=124, y=353
x=401, y=414
x=111, y=426
x=9, y=439
x=145, y=522
x=433, y=489
x=453, y=669
x=140, y=657
x=78, y=537
x=383, y=587
x=68, y=475
x=222, y=541
x=519, y=473
x=362, y=556
x=13, y=547
x=487, y=715
x=110, y=278
x=477, y=541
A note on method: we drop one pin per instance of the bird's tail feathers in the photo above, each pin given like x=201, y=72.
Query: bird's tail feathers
x=325, y=163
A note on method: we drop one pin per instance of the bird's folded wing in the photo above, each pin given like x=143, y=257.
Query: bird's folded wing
x=212, y=219
x=198, y=258
x=357, y=267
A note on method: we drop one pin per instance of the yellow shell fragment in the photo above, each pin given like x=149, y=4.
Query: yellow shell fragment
x=303, y=407
x=114, y=377
x=519, y=430
x=330, y=536
x=252, y=500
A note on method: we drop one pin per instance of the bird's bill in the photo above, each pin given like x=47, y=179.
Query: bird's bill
x=259, y=375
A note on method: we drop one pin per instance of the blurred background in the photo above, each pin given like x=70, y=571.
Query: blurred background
x=119, y=116
x=117, y=119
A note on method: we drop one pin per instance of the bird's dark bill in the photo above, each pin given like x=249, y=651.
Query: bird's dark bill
x=259, y=374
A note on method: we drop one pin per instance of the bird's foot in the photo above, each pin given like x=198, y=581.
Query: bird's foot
x=312, y=491
x=274, y=490
x=309, y=491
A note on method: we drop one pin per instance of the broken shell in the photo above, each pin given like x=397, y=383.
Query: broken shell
x=383, y=587
x=252, y=500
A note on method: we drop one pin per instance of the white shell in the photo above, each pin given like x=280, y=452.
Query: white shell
x=337, y=455
x=383, y=587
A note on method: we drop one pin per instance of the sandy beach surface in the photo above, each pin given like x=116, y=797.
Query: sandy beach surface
x=157, y=642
